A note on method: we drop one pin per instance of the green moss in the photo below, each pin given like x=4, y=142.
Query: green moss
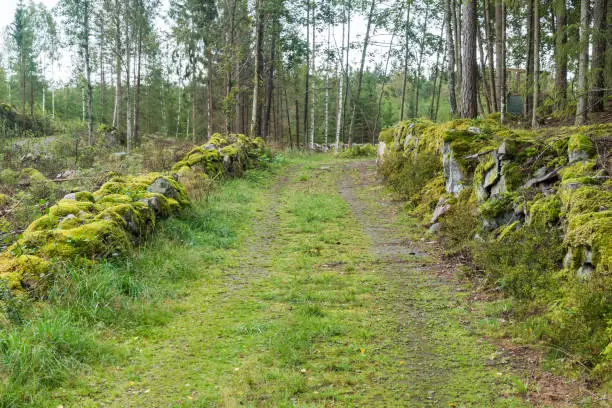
x=96, y=239
x=46, y=222
x=25, y=272
x=586, y=199
x=8, y=177
x=494, y=207
x=545, y=210
x=71, y=222
x=84, y=196
x=505, y=230
x=194, y=158
x=231, y=150
x=580, y=142
x=30, y=175
x=481, y=170
x=426, y=200
x=386, y=135
x=514, y=175
x=114, y=198
x=592, y=230
x=65, y=207
x=578, y=170
x=218, y=140
x=4, y=200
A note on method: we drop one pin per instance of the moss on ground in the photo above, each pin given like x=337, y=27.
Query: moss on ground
x=123, y=211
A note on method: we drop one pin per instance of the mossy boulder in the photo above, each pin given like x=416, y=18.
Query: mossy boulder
x=579, y=147
x=25, y=272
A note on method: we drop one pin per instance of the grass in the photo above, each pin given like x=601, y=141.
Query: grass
x=267, y=293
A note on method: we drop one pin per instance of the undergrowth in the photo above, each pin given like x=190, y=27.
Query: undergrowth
x=43, y=345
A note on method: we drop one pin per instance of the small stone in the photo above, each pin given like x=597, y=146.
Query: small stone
x=161, y=186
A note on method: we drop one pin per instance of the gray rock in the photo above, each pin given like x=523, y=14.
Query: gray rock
x=502, y=150
x=68, y=174
x=120, y=155
x=434, y=229
x=380, y=153
x=474, y=130
x=453, y=175
x=30, y=157
x=541, y=172
x=161, y=186
x=500, y=187
x=568, y=259
x=441, y=208
x=585, y=271
x=70, y=196
x=153, y=203
x=577, y=155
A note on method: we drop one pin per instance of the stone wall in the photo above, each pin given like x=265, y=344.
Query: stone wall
x=121, y=214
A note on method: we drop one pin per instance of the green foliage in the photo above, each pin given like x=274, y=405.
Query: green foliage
x=41, y=354
x=366, y=150
x=407, y=175
x=523, y=262
x=458, y=226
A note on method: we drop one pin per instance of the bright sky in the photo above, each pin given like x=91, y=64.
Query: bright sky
x=9, y=6
x=64, y=66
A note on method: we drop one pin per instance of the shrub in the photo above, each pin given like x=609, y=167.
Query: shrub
x=523, y=262
x=408, y=175
x=458, y=226
x=366, y=150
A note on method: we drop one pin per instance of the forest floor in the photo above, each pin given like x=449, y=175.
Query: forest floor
x=312, y=288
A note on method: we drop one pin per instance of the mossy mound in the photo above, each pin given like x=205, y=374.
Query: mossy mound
x=537, y=195
x=220, y=156
x=119, y=215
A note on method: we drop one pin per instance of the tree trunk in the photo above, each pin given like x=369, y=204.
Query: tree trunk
x=599, y=54
x=255, y=117
x=339, y=100
x=456, y=15
x=406, y=55
x=452, y=99
x=210, y=94
x=468, y=61
x=194, y=91
x=482, y=78
x=102, y=84
x=347, y=92
x=128, y=119
x=297, y=123
x=327, y=87
x=500, y=61
x=117, y=110
x=417, y=82
x=270, y=87
x=314, y=54
x=288, y=119
x=489, y=45
x=529, y=79
x=307, y=87
x=536, y=61
x=382, y=89
x=435, y=118
x=137, y=95
x=360, y=78
x=581, y=106
x=560, y=54
x=437, y=75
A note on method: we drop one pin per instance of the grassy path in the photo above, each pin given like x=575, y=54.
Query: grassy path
x=307, y=292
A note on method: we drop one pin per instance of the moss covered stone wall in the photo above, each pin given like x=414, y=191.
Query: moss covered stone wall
x=119, y=215
x=513, y=181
